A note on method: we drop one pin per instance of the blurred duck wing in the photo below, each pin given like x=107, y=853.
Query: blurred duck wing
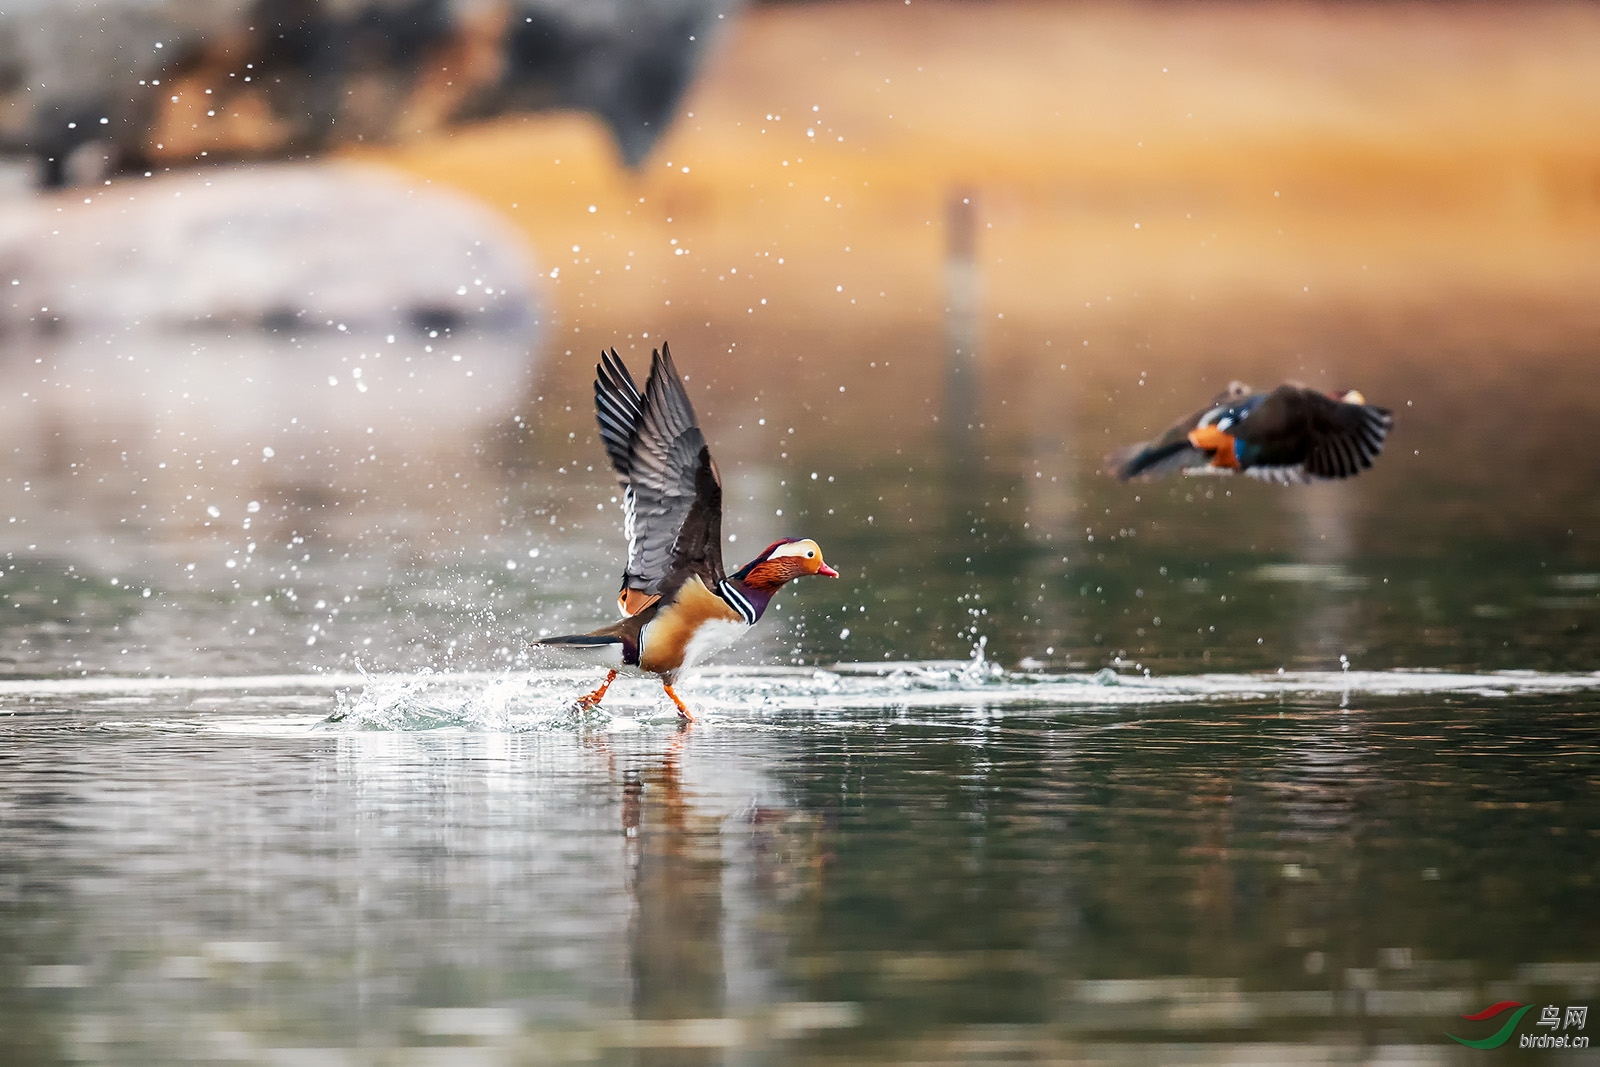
x=1297, y=433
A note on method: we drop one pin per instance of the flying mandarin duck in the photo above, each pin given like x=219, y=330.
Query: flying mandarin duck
x=1292, y=434
x=678, y=606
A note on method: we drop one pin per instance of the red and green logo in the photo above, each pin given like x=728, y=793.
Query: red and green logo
x=1500, y=1036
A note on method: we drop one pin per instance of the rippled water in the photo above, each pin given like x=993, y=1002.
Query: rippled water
x=935, y=861
x=1060, y=770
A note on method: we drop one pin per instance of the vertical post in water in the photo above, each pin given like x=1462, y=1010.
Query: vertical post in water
x=961, y=325
x=1327, y=617
x=963, y=438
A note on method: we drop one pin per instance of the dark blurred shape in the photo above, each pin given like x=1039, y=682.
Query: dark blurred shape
x=91, y=89
x=1292, y=434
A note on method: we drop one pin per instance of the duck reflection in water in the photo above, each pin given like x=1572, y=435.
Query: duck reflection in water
x=701, y=872
x=675, y=869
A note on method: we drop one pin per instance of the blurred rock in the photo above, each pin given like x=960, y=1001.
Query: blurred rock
x=291, y=248
x=91, y=87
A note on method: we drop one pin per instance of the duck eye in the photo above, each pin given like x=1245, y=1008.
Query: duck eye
x=810, y=555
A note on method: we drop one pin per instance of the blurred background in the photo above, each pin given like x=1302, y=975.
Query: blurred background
x=301, y=304
x=299, y=308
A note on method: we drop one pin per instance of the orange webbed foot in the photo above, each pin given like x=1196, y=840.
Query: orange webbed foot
x=683, y=709
x=589, y=701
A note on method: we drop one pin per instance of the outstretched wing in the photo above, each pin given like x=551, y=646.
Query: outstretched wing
x=1172, y=450
x=1345, y=437
x=618, y=406
x=619, y=409
x=698, y=550
x=676, y=494
x=1298, y=433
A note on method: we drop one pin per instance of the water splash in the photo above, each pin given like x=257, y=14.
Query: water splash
x=790, y=696
x=429, y=700
x=753, y=697
x=979, y=671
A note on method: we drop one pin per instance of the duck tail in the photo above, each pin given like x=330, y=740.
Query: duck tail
x=580, y=640
x=1152, y=460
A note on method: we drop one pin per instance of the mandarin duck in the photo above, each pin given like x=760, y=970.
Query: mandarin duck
x=678, y=606
x=1292, y=434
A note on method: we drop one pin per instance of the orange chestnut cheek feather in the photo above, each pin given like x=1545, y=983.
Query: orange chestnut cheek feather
x=1219, y=444
x=774, y=572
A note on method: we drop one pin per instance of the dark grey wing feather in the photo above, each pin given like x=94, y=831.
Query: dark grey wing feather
x=1344, y=438
x=698, y=549
x=671, y=477
x=619, y=408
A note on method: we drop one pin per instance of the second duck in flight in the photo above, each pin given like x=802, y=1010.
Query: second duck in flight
x=1292, y=434
x=678, y=606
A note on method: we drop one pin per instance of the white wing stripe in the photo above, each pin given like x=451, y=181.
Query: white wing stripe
x=629, y=525
x=736, y=600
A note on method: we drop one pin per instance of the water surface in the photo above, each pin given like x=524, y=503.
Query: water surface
x=939, y=862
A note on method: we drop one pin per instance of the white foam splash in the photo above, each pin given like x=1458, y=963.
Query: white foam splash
x=765, y=696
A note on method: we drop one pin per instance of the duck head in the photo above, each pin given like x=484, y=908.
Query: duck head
x=1212, y=438
x=782, y=562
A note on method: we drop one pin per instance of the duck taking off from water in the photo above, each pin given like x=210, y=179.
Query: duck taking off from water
x=1292, y=434
x=678, y=606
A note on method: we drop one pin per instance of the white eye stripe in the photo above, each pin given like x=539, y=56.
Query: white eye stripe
x=799, y=548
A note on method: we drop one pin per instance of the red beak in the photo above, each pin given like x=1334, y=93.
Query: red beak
x=827, y=571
